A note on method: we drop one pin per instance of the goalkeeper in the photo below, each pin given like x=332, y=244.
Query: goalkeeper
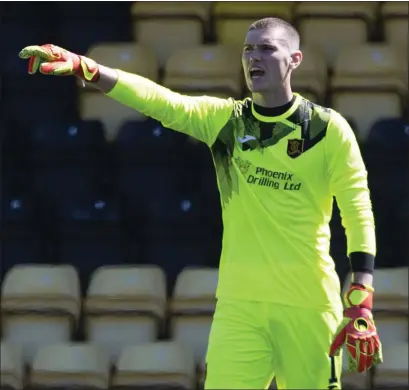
x=280, y=159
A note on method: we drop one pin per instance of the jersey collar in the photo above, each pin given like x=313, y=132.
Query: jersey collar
x=285, y=115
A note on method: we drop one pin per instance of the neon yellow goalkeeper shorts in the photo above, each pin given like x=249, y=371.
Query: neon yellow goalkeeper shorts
x=251, y=343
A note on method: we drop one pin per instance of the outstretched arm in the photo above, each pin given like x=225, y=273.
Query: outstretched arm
x=200, y=117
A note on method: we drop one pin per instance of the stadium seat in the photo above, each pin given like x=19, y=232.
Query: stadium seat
x=12, y=367
x=395, y=22
x=96, y=106
x=166, y=27
x=40, y=304
x=393, y=372
x=125, y=305
x=157, y=145
x=78, y=28
x=88, y=230
x=23, y=234
x=70, y=365
x=391, y=134
x=55, y=141
x=28, y=100
x=155, y=171
x=369, y=88
x=166, y=365
x=127, y=56
x=387, y=161
x=310, y=78
x=377, y=63
x=233, y=19
x=333, y=26
x=192, y=307
x=66, y=157
x=18, y=36
x=208, y=68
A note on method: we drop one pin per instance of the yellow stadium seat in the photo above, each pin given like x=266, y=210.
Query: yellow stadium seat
x=396, y=23
x=167, y=26
x=40, y=305
x=376, y=66
x=310, y=78
x=12, y=367
x=73, y=365
x=331, y=26
x=159, y=364
x=124, y=305
x=365, y=108
x=206, y=68
x=233, y=19
x=192, y=307
x=370, y=87
x=97, y=106
x=393, y=372
x=129, y=57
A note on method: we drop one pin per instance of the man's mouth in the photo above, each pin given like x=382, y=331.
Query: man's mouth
x=256, y=72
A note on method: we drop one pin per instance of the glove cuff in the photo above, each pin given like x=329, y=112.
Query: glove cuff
x=359, y=295
x=88, y=70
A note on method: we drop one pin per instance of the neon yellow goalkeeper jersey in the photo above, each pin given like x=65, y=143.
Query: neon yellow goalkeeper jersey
x=277, y=177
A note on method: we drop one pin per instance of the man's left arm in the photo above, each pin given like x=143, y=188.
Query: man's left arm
x=348, y=180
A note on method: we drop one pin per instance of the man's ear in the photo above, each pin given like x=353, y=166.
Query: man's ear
x=296, y=59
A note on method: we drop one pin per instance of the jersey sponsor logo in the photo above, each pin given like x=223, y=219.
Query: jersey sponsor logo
x=295, y=147
x=246, y=138
x=266, y=178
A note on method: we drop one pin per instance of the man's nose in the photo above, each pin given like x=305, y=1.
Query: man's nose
x=254, y=58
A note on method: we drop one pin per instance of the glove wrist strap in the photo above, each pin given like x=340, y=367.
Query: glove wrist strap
x=359, y=295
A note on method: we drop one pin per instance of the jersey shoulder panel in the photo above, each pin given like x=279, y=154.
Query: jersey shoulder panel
x=240, y=117
x=314, y=121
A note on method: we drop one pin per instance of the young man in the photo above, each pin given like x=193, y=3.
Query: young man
x=280, y=159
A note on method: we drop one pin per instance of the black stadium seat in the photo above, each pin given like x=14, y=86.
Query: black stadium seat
x=88, y=234
x=23, y=234
x=149, y=159
x=66, y=158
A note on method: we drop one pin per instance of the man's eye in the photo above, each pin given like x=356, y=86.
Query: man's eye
x=265, y=47
x=247, y=49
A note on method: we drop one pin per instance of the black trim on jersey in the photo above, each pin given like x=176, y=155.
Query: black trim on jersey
x=266, y=128
x=362, y=262
x=313, y=120
x=274, y=111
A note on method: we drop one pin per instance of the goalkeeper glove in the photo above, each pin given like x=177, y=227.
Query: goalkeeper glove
x=357, y=330
x=53, y=60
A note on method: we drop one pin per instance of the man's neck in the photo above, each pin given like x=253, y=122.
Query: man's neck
x=273, y=99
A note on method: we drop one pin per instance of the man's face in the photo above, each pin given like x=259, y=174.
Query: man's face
x=266, y=59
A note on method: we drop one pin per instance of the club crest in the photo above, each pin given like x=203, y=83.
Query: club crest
x=295, y=147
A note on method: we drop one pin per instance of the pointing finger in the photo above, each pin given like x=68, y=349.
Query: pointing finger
x=37, y=51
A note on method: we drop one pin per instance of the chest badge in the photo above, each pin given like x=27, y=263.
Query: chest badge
x=295, y=147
